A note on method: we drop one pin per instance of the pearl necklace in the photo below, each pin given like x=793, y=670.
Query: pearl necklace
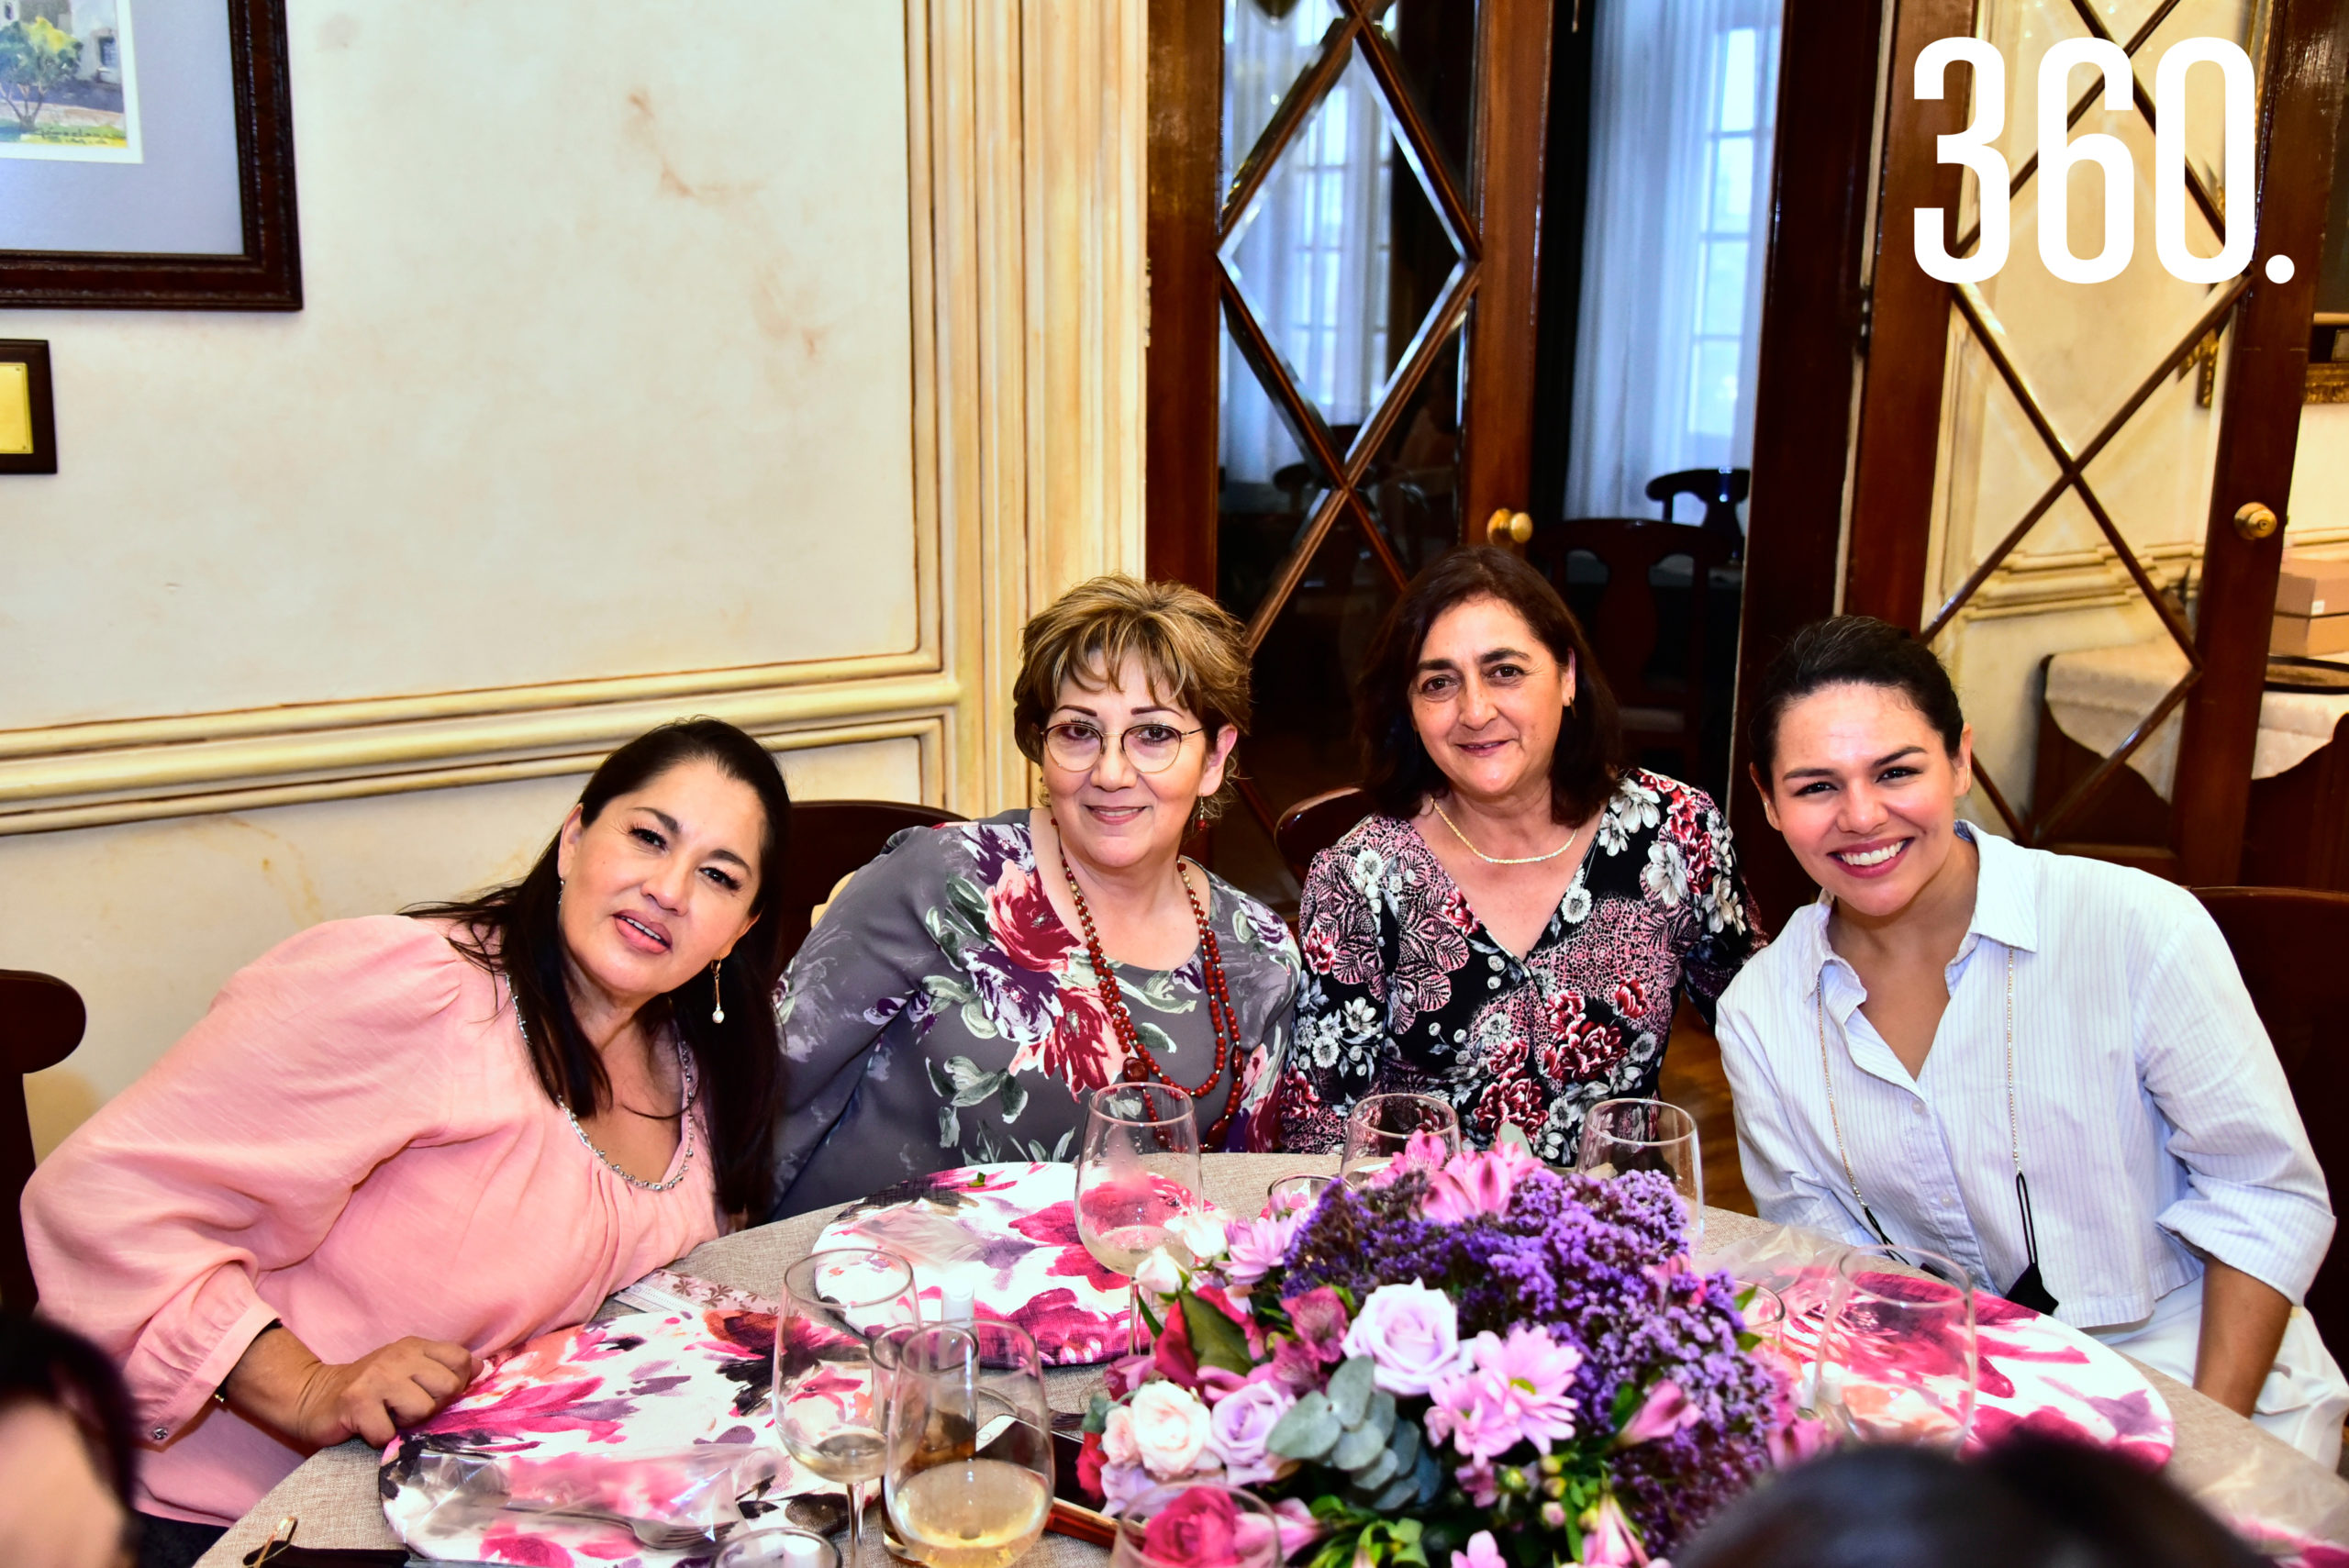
x=1501, y=860
x=1140, y=1065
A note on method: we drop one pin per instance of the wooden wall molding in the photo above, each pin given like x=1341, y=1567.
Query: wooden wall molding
x=1025, y=174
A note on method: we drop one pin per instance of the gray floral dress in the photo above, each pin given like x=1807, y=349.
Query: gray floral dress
x=940, y=1014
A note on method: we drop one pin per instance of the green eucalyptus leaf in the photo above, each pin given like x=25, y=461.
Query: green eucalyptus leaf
x=1397, y=1494
x=1378, y=1472
x=1350, y=1390
x=1380, y=1417
x=1308, y=1431
x=1358, y=1448
x=1405, y=1444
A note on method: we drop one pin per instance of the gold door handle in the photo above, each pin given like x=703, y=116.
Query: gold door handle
x=2254, y=521
x=1505, y=526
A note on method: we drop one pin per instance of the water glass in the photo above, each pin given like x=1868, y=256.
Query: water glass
x=970, y=1467
x=1177, y=1527
x=1295, y=1195
x=1622, y=1136
x=1898, y=1361
x=1137, y=1168
x=1764, y=1311
x=829, y=1410
x=1380, y=1125
x=776, y=1546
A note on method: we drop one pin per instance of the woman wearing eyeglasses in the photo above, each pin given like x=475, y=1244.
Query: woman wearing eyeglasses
x=964, y=989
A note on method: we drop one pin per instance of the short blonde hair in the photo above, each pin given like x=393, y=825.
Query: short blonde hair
x=1193, y=650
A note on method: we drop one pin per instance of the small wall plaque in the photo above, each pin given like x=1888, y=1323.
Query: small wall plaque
x=27, y=412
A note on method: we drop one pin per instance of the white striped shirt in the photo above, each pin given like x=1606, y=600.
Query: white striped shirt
x=2154, y=1120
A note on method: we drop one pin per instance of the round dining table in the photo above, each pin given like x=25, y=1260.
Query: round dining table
x=2218, y=1455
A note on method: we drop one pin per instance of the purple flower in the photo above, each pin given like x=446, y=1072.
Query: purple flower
x=1411, y=1335
x=1482, y=1552
x=1237, y=1426
x=1258, y=1247
x=1665, y=1411
x=1477, y=1479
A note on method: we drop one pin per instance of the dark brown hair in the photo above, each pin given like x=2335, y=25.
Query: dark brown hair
x=1850, y=651
x=1397, y=769
x=515, y=931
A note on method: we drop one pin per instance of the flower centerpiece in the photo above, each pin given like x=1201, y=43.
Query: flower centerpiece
x=1471, y=1363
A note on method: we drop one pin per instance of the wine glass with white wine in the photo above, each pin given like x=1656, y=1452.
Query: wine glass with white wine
x=827, y=1409
x=970, y=1470
x=1136, y=1171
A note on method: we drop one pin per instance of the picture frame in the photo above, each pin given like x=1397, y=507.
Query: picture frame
x=28, y=408
x=190, y=206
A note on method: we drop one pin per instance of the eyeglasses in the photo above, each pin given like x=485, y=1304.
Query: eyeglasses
x=1150, y=748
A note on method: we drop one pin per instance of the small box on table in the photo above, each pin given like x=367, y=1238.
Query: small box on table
x=2311, y=607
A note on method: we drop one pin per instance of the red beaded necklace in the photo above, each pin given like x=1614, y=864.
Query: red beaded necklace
x=1140, y=1065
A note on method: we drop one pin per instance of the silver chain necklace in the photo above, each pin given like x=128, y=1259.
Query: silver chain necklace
x=685, y=1115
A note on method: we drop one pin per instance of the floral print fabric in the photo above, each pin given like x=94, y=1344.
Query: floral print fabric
x=941, y=1015
x=1406, y=990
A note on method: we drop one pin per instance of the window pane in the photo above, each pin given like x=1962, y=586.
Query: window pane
x=1737, y=80
x=1713, y=387
x=1733, y=185
x=1723, y=307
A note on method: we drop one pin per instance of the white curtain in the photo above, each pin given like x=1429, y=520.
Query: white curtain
x=1312, y=258
x=1684, y=94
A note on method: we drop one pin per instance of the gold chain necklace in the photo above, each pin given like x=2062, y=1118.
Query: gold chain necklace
x=1501, y=860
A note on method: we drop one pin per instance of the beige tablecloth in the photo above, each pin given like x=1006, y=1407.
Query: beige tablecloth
x=2218, y=1453
x=2098, y=695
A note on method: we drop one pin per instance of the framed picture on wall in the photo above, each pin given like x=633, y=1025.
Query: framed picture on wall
x=28, y=411
x=147, y=156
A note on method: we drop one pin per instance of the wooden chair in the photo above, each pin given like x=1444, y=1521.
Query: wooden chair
x=1315, y=823
x=1653, y=637
x=42, y=1020
x=829, y=838
x=1720, y=489
x=2289, y=944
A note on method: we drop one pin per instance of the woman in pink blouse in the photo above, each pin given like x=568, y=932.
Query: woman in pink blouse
x=398, y=1145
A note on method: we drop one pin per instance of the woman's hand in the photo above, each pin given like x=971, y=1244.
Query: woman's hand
x=313, y=1402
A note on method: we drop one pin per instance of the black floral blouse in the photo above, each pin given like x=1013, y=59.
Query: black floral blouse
x=1406, y=990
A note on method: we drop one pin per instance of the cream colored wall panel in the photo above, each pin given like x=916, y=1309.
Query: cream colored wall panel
x=2320, y=471
x=149, y=919
x=605, y=369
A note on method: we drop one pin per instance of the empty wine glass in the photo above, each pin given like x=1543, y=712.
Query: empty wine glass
x=1898, y=1361
x=1379, y=1125
x=1173, y=1527
x=828, y=1411
x=1137, y=1169
x=1765, y=1312
x=1622, y=1136
x=970, y=1463
x=776, y=1546
x=1295, y=1195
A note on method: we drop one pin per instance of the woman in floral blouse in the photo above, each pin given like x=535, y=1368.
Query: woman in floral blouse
x=966, y=987
x=1512, y=926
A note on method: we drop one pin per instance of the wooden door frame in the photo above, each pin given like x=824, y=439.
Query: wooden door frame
x=1505, y=175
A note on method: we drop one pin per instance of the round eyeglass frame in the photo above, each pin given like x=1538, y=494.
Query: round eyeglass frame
x=1125, y=745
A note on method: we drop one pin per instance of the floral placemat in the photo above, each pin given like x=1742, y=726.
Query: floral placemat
x=2035, y=1374
x=656, y=1417
x=1009, y=1233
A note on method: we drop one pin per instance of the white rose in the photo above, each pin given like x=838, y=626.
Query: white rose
x=1170, y=1426
x=1159, y=1273
x=1117, y=1443
x=1200, y=1233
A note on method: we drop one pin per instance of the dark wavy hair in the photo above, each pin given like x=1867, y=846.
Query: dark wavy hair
x=1850, y=651
x=1397, y=769
x=514, y=931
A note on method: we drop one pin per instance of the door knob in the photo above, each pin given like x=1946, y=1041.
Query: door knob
x=2254, y=521
x=1505, y=526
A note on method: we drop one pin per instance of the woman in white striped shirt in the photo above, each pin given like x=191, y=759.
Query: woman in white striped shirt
x=2044, y=1067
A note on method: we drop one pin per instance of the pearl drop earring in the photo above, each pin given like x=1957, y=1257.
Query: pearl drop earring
x=716, y=995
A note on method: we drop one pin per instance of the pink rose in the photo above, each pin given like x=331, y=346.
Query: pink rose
x=1199, y=1527
x=1411, y=1335
x=1238, y=1426
x=1170, y=1426
x=1118, y=1445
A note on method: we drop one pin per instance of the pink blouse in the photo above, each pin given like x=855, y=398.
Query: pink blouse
x=352, y=1141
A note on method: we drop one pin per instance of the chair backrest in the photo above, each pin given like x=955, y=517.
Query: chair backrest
x=2288, y=944
x=41, y=1020
x=1637, y=614
x=1315, y=823
x=831, y=839
x=1720, y=489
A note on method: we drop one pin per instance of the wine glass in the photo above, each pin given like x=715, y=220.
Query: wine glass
x=827, y=1408
x=1763, y=1311
x=1165, y=1528
x=1295, y=1195
x=1898, y=1361
x=970, y=1460
x=1138, y=1168
x=776, y=1546
x=1620, y=1136
x=1379, y=1125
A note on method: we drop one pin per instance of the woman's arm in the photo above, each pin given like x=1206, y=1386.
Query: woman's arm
x=1723, y=929
x=280, y=1385
x=1779, y=1172
x=1340, y=1007
x=2243, y=1326
x=151, y=1228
